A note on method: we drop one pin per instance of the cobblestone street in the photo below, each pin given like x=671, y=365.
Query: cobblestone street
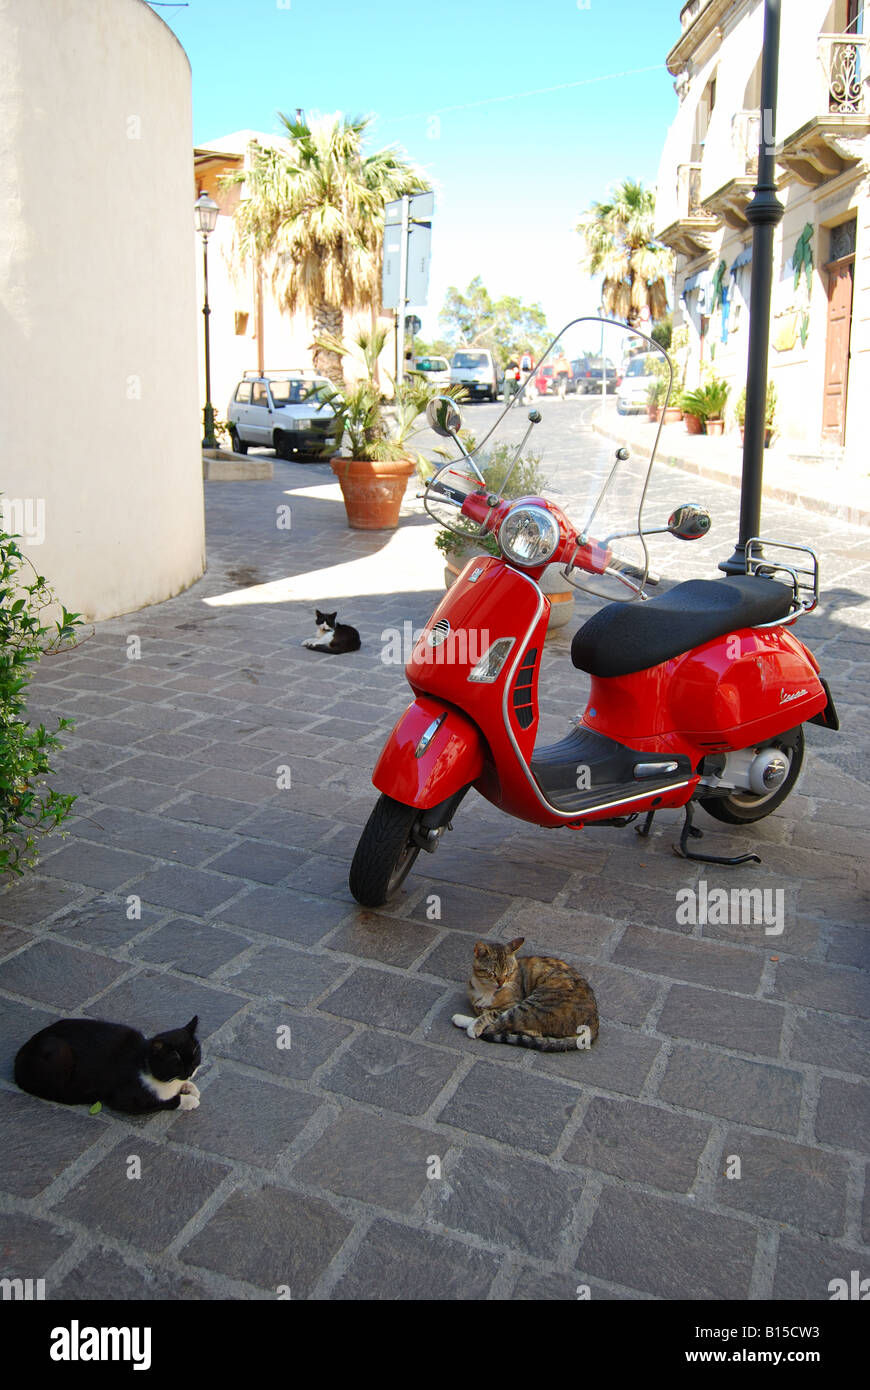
x=311, y=1166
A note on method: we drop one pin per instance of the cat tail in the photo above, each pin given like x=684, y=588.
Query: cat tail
x=570, y=1044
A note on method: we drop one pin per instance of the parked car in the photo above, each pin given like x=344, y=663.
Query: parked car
x=632, y=393
x=285, y=411
x=433, y=369
x=475, y=369
x=544, y=381
x=557, y=378
x=587, y=375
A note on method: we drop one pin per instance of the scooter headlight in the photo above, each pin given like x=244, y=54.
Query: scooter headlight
x=529, y=535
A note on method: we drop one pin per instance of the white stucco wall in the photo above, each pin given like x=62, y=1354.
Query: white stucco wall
x=98, y=348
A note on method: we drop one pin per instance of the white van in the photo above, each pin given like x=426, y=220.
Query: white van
x=474, y=368
x=632, y=393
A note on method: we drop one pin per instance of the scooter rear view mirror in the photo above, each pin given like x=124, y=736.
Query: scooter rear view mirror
x=689, y=522
x=444, y=416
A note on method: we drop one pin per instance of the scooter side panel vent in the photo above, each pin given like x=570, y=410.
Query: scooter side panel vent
x=521, y=695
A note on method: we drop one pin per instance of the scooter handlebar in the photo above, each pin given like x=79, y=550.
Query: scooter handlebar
x=633, y=571
x=449, y=494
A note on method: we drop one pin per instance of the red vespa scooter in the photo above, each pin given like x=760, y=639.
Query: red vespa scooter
x=697, y=695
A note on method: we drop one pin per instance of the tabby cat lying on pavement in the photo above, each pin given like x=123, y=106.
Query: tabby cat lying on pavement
x=529, y=1001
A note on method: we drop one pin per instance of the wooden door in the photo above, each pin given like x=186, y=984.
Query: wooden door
x=837, y=349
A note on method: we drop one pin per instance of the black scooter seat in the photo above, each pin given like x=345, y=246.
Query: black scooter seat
x=622, y=638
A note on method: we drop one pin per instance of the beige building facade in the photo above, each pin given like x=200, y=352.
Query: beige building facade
x=819, y=359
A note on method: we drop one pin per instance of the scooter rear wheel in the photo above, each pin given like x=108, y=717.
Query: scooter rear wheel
x=742, y=808
x=385, y=854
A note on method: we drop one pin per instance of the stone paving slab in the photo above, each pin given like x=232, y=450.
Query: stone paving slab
x=351, y=1143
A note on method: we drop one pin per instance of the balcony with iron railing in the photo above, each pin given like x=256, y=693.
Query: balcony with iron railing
x=691, y=231
x=731, y=168
x=834, y=136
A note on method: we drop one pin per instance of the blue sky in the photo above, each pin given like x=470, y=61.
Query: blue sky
x=520, y=114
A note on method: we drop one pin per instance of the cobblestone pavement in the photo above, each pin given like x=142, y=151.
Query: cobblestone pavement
x=312, y=1166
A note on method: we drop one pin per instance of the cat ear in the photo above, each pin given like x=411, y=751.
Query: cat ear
x=479, y=948
x=192, y=1025
x=513, y=946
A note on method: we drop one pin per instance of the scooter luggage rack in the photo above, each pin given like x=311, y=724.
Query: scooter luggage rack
x=802, y=579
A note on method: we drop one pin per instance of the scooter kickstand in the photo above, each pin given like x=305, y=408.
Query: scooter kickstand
x=685, y=853
x=643, y=830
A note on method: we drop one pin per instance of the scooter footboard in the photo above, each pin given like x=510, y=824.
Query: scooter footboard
x=433, y=752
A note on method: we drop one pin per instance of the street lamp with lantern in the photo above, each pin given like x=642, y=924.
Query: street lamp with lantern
x=205, y=215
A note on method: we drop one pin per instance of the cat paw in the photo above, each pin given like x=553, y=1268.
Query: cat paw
x=462, y=1021
x=186, y=1101
x=308, y=644
x=188, y=1089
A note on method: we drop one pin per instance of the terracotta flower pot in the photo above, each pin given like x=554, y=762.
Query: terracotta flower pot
x=694, y=424
x=768, y=432
x=672, y=415
x=372, y=492
x=715, y=426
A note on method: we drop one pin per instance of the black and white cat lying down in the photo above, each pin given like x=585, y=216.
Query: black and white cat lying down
x=79, y=1061
x=331, y=636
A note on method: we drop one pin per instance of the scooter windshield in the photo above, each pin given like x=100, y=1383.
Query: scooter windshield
x=557, y=436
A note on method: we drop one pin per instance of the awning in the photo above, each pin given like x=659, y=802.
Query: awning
x=744, y=258
x=693, y=282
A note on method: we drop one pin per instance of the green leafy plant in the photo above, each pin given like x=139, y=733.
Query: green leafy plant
x=525, y=480
x=451, y=544
x=223, y=433
x=371, y=428
x=769, y=406
x=658, y=390
x=715, y=395
x=694, y=403
x=28, y=806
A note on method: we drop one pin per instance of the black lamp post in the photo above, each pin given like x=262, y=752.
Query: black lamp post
x=763, y=213
x=205, y=215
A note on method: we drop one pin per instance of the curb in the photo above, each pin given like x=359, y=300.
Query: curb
x=795, y=497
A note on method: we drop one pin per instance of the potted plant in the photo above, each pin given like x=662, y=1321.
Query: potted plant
x=373, y=472
x=694, y=407
x=715, y=395
x=769, y=412
x=526, y=480
x=656, y=398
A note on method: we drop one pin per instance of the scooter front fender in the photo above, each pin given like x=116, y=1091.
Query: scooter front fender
x=452, y=758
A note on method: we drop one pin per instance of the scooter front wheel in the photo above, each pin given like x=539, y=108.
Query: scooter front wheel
x=744, y=807
x=385, y=854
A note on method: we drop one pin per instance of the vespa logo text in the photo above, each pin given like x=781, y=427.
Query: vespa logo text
x=784, y=698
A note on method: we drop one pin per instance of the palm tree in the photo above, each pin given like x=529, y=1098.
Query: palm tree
x=620, y=246
x=313, y=215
